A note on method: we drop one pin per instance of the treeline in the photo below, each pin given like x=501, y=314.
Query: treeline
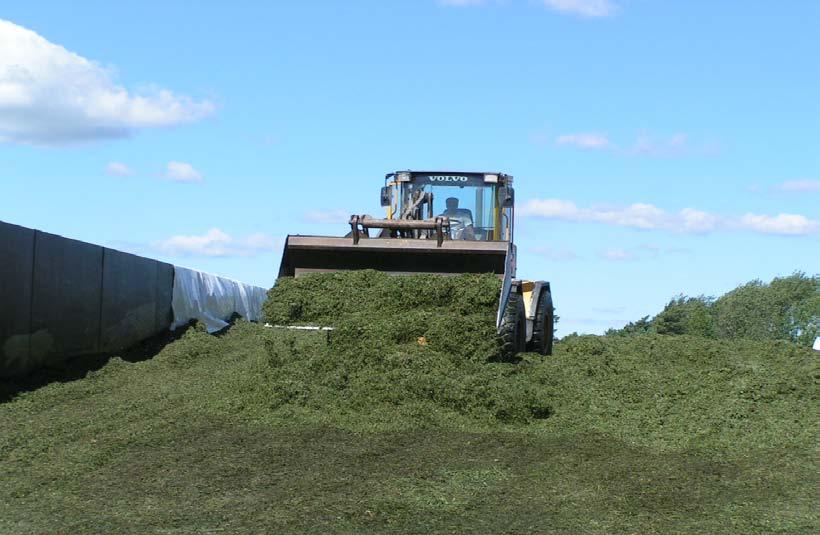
x=787, y=308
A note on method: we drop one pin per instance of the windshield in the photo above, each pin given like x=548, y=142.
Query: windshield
x=471, y=208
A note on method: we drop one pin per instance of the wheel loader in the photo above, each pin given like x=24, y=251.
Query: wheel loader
x=443, y=223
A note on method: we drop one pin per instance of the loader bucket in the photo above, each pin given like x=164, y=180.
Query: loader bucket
x=310, y=254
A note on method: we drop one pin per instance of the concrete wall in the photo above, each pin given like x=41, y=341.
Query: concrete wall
x=61, y=298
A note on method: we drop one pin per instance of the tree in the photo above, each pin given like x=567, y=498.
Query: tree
x=642, y=326
x=786, y=309
x=687, y=315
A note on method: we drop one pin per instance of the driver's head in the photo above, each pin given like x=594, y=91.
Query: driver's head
x=452, y=203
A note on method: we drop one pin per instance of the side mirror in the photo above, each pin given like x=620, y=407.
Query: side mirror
x=385, y=197
x=506, y=197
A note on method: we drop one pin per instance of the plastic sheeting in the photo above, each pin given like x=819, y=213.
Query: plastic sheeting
x=212, y=300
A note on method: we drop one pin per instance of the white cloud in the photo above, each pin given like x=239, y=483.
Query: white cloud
x=644, y=144
x=641, y=252
x=182, y=172
x=665, y=146
x=650, y=217
x=327, y=216
x=51, y=96
x=118, y=169
x=786, y=224
x=617, y=254
x=551, y=209
x=216, y=242
x=586, y=8
x=697, y=221
x=638, y=215
x=585, y=140
x=799, y=186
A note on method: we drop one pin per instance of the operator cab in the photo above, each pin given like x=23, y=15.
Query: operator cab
x=479, y=205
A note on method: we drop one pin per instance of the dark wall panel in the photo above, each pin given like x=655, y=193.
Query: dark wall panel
x=16, y=262
x=61, y=298
x=165, y=293
x=66, y=302
x=128, y=300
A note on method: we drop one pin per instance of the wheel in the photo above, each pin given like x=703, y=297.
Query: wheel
x=513, y=330
x=543, y=325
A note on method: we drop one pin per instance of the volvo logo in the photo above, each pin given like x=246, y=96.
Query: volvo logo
x=447, y=178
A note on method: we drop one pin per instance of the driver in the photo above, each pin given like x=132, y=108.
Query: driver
x=461, y=220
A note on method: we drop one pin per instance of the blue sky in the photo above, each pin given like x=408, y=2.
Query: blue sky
x=658, y=147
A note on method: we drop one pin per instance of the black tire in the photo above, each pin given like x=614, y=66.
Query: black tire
x=513, y=330
x=543, y=328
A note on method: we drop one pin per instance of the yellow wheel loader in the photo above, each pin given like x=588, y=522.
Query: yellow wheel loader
x=444, y=223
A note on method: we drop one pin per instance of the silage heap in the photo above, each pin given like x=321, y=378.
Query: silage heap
x=454, y=314
x=369, y=431
x=419, y=351
x=422, y=345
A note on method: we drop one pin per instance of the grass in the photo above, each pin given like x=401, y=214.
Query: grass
x=369, y=431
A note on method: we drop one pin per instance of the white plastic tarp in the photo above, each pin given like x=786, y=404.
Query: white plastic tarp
x=212, y=299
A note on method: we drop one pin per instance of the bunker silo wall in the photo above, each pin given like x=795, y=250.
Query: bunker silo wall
x=61, y=298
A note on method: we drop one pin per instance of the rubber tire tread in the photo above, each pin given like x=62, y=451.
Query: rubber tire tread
x=543, y=329
x=513, y=328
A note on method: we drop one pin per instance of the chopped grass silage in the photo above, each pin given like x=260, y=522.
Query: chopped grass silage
x=327, y=297
x=369, y=431
x=375, y=315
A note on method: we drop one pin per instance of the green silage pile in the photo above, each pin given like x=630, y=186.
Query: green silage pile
x=455, y=314
x=421, y=345
x=419, y=351
x=375, y=315
x=370, y=430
